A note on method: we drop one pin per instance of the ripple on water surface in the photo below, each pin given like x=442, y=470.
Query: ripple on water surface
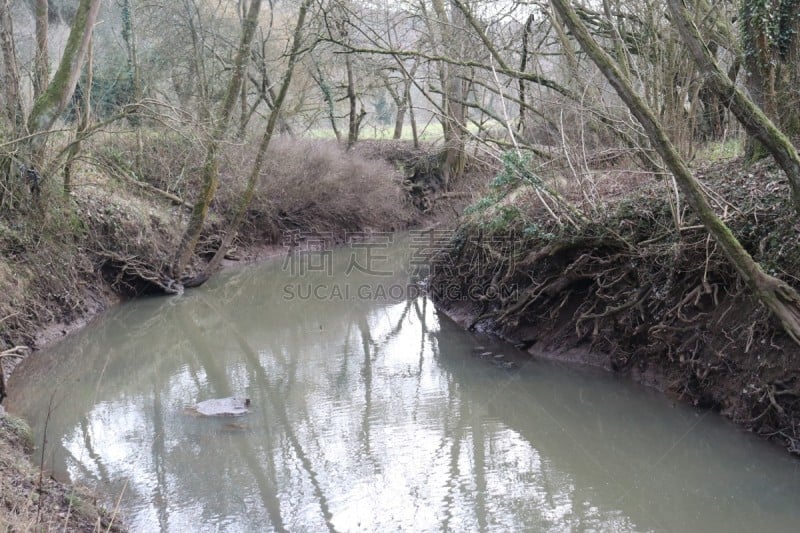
x=372, y=416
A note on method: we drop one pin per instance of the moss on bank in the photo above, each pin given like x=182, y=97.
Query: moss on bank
x=636, y=295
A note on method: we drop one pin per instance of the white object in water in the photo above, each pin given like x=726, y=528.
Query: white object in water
x=223, y=407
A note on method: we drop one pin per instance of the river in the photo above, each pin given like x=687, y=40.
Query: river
x=371, y=411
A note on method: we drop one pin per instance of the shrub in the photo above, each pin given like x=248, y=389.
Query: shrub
x=315, y=185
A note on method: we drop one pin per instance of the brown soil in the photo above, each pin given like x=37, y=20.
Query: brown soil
x=625, y=291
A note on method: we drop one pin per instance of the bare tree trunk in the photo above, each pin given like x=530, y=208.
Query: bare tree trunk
x=244, y=114
x=134, y=73
x=406, y=105
x=42, y=62
x=197, y=65
x=11, y=81
x=83, y=124
x=412, y=118
x=399, y=120
x=255, y=172
x=523, y=65
x=55, y=97
x=328, y=97
x=401, y=104
x=210, y=172
x=780, y=298
x=453, y=91
x=752, y=118
x=355, y=117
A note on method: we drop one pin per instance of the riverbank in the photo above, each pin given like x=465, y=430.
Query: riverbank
x=114, y=237
x=619, y=288
x=628, y=289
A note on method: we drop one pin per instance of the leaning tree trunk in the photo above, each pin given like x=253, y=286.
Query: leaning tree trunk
x=776, y=295
x=210, y=172
x=255, y=171
x=752, y=118
x=55, y=97
x=85, y=112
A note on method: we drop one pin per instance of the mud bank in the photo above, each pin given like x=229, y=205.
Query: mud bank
x=626, y=291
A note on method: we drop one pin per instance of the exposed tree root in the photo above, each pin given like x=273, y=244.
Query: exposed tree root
x=671, y=307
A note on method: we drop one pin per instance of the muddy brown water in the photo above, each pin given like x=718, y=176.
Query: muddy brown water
x=372, y=412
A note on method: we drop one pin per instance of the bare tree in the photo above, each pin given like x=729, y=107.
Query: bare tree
x=261, y=79
x=255, y=171
x=451, y=25
x=210, y=172
x=11, y=80
x=328, y=97
x=780, y=298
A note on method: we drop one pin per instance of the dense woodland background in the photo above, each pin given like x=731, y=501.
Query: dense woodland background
x=563, y=96
x=629, y=166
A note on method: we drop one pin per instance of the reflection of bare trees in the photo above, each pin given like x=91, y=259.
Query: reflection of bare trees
x=342, y=394
x=276, y=394
x=366, y=372
x=90, y=452
x=453, y=434
x=159, y=452
x=479, y=469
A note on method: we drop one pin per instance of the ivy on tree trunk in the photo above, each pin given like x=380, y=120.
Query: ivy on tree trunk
x=755, y=121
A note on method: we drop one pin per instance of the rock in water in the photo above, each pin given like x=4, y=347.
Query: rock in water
x=223, y=407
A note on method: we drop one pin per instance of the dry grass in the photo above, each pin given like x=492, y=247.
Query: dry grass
x=317, y=186
x=39, y=269
x=26, y=504
x=169, y=161
x=306, y=185
x=130, y=234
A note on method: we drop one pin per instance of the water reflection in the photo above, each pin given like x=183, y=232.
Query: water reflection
x=376, y=415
